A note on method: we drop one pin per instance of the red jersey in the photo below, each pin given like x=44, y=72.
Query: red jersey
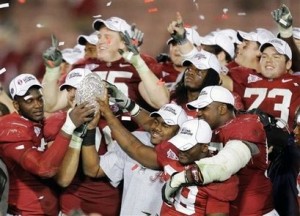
x=87, y=194
x=255, y=189
x=123, y=75
x=194, y=200
x=279, y=97
x=28, y=164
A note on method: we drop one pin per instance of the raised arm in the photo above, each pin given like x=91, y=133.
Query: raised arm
x=145, y=155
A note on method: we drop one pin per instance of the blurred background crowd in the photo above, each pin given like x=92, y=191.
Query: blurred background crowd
x=26, y=25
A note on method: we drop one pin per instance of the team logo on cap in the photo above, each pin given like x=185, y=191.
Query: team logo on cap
x=200, y=56
x=76, y=74
x=277, y=42
x=27, y=79
x=186, y=131
x=170, y=109
x=20, y=82
x=203, y=93
x=12, y=91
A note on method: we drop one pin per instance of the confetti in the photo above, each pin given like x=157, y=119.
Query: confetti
x=2, y=70
x=202, y=17
x=108, y=4
x=97, y=16
x=152, y=10
x=39, y=25
x=225, y=10
x=241, y=14
x=5, y=5
x=61, y=43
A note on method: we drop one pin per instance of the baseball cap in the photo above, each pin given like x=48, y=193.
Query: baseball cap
x=280, y=45
x=72, y=55
x=261, y=35
x=92, y=39
x=210, y=94
x=296, y=33
x=192, y=35
x=74, y=77
x=20, y=84
x=203, y=60
x=232, y=34
x=113, y=23
x=172, y=114
x=220, y=39
x=192, y=132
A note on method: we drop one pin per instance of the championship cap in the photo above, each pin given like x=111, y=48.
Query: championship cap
x=72, y=55
x=280, y=45
x=74, y=78
x=220, y=39
x=296, y=33
x=92, y=39
x=172, y=114
x=232, y=34
x=20, y=84
x=192, y=35
x=192, y=132
x=113, y=23
x=261, y=35
x=203, y=60
x=210, y=94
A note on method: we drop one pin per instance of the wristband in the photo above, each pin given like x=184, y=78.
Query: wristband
x=90, y=138
x=135, y=111
x=193, y=175
x=75, y=142
x=68, y=126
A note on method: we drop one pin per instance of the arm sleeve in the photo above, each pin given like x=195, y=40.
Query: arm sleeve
x=234, y=156
x=44, y=164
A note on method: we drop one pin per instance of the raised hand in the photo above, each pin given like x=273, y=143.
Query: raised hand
x=176, y=29
x=53, y=56
x=284, y=20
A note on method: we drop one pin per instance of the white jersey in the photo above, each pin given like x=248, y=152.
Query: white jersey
x=142, y=186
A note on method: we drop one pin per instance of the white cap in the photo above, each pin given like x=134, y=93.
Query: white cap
x=280, y=45
x=220, y=39
x=74, y=78
x=172, y=114
x=203, y=60
x=192, y=132
x=296, y=33
x=232, y=34
x=210, y=94
x=72, y=55
x=113, y=23
x=92, y=39
x=20, y=84
x=192, y=35
x=261, y=35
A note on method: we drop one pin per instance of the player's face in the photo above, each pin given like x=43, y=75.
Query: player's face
x=71, y=96
x=31, y=106
x=193, y=154
x=175, y=55
x=247, y=53
x=193, y=77
x=160, y=131
x=211, y=114
x=90, y=51
x=108, y=45
x=273, y=64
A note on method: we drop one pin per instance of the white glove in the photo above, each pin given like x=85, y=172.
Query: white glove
x=284, y=20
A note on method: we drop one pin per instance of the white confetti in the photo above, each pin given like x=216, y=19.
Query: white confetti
x=225, y=10
x=97, y=16
x=61, y=43
x=2, y=70
x=39, y=25
x=5, y=5
x=108, y=4
x=202, y=17
x=241, y=14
